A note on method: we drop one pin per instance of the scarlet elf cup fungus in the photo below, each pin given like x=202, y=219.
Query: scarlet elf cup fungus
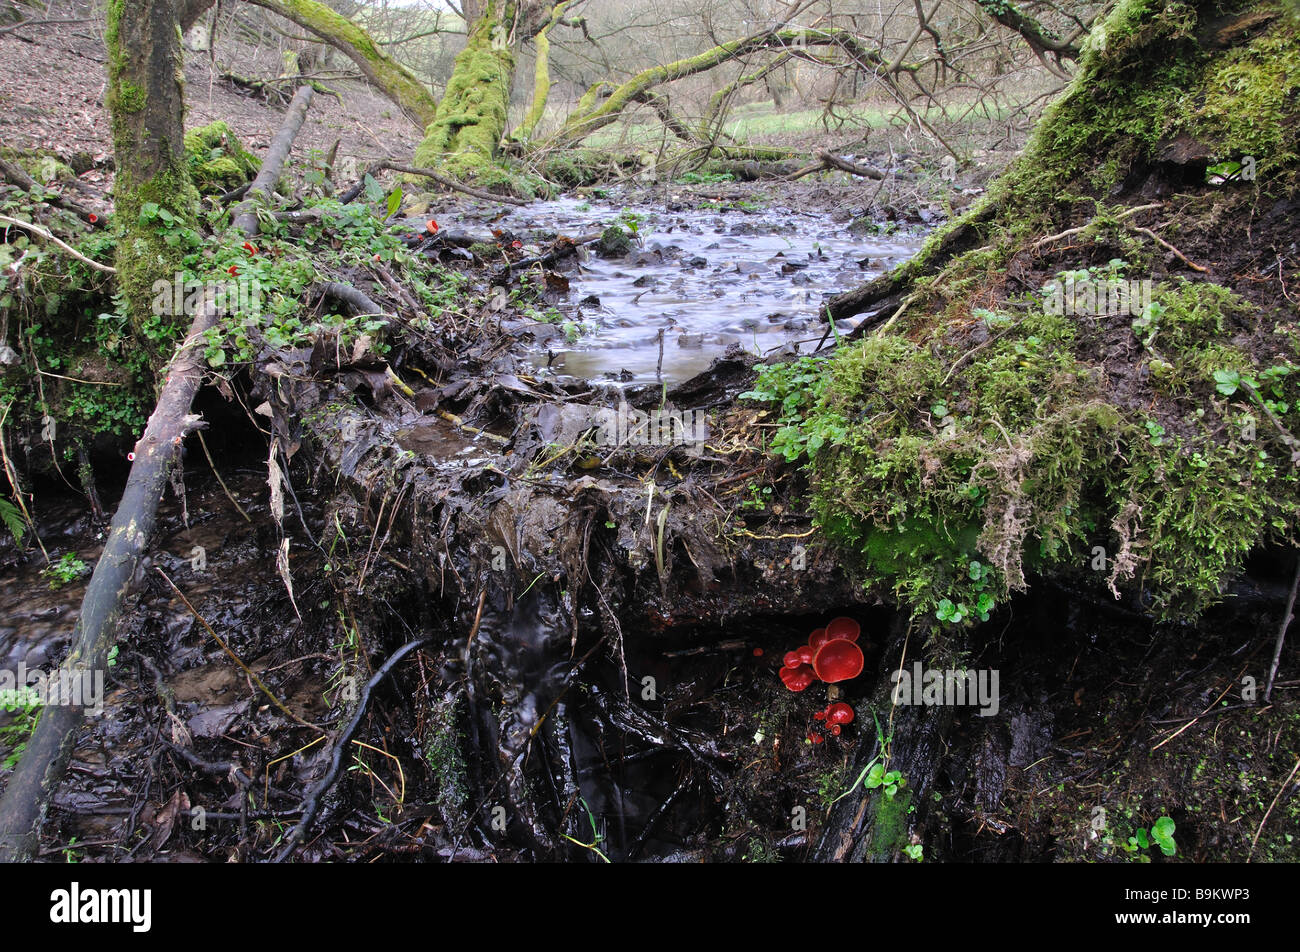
x=838, y=660
x=796, y=679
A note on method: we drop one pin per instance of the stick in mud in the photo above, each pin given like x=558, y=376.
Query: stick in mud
x=38, y=774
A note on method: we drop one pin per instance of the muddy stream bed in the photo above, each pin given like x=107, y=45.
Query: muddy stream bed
x=602, y=636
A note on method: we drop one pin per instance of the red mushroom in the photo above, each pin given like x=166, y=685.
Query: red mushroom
x=817, y=639
x=845, y=628
x=838, y=660
x=805, y=653
x=792, y=659
x=796, y=679
x=839, y=713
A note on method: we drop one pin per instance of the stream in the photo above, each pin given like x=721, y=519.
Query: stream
x=706, y=278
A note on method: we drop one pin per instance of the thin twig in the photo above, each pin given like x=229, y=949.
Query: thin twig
x=1286, y=783
x=229, y=496
x=1281, y=632
x=234, y=657
x=63, y=246
x=312, y=803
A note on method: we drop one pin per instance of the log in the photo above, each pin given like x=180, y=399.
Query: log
x=351, y=194
x=245, y=214
x=38, y=774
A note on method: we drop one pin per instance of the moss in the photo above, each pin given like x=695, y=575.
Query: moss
x=1025, y=458
x=1252, y=102
x=149, y=180
x=442, y=746
x=218, y=162
x=889, y=831
x=395, y=80
x=574, y=168
x=472, y=117
x=615, y=241
x=132, y=98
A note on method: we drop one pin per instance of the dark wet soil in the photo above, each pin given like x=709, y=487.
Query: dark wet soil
x=604, y=633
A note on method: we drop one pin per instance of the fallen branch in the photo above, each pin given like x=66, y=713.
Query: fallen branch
x=26, y=23
x=252, y=675
x=311, y=804
x=1166, y=245
x=62, y=246
x=351, y=194
x=38, y=774
x=245, y=213
x=1082, y=228
x=1287, y=616
x=835, y=162
x=15, y=174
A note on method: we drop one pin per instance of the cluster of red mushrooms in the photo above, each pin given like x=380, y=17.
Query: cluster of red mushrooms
x=831, y=655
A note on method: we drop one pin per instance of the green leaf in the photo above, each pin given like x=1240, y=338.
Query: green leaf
x=1227, y=381
x=12, y=517
x=1163, y=833
x=394, y=201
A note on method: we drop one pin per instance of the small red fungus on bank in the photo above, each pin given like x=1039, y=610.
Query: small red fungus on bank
x=817, y=639
x=758, y=652
x=838, y=660
x=431, y=226
x=845, y=628
x=796, y=679
x=839, y=713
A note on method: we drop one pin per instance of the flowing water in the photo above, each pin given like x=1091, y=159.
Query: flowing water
x=702, y=280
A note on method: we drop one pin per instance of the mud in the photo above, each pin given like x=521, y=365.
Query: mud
x=606, y=620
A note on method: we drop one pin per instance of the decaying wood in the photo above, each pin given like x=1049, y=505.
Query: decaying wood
x=245, y=214
x=351, y=194
x=43, y=765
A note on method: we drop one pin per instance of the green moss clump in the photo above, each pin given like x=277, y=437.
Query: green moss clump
x=42, y=165
x=956, y=474
x=442, y=742
x=1253, y=102
x=472, y=117
x=615, y=241
x=218, y=162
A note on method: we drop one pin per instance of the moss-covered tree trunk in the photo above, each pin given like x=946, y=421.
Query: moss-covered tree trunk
x=146, y=100
x=472, y=117
x=388, y=76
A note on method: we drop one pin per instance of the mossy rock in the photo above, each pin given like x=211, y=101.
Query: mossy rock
x=218, y=162
x=44, y=166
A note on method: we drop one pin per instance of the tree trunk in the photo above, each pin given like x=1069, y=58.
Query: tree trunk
x=146, y=99
x=388, y=76
x=464, y=136
x=42, y=767
x=541, y=76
